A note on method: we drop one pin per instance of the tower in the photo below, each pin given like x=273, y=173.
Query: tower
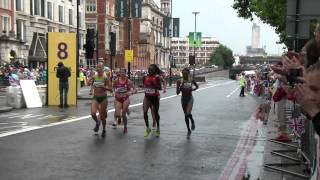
x=255, y=39
x=166, y=7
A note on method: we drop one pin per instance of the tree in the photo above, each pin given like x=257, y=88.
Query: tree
x=272, y=12
x=222, y=57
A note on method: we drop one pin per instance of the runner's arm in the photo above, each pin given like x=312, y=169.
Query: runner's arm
x=164, y=84
x=195, y=84
x=178, y=90
x=133, y=90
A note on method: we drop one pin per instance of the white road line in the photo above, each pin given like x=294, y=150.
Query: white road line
x=229, y=95
x=31, y=128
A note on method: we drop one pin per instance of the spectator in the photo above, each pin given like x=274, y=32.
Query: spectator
x=63, y=73
x=311, y=51
x=308, y=95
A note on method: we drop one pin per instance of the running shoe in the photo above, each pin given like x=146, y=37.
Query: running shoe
x=147, y=132
x=103, y=133
x=189, y=132
x=157, y=133
x=193, y=127
x=114, y=125
x=125, y=130
x=96, y=128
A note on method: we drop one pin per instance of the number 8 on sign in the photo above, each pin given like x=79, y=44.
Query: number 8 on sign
x=62, y=51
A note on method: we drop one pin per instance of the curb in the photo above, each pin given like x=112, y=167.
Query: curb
x=4, y=109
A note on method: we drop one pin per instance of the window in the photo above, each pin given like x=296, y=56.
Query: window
x=91, y=6
x=4, y=22
x=107, y=8
x=60, y=13
x=20, y=29
x=112, y=10
x=19, y=5
x=62, y=30
x=5, y=4
x=49, y=9
x=70, y=17
x=37, y=7
x=50, y=29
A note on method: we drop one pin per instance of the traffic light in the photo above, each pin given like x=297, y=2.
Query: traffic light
x=112, y=43
x=90, y=43
x=192, y=60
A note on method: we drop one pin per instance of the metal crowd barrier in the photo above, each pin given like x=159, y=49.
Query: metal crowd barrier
x=303, y=149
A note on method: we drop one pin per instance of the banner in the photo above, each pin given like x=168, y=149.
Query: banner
x=61, y=48
x=176, y=27
x=195, y=41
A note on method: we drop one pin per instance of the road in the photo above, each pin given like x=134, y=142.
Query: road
x=49, y=143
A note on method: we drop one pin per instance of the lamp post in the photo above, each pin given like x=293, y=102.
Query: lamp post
x=170, y=53
x=194, y=40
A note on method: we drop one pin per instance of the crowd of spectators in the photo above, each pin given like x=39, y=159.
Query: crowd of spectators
x=299, y=78
x=10, y=75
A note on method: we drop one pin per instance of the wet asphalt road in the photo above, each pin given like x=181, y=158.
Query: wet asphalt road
x=72, y=151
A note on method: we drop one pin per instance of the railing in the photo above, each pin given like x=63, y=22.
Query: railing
x=305, y=145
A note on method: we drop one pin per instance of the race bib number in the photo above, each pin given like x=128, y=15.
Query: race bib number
x=150, y=91
x=121, y=90
x=98, y=84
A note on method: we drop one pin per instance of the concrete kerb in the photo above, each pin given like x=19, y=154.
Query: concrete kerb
x=4, y=109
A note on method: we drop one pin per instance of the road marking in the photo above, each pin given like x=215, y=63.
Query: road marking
x=66, y=121
x=229, y=95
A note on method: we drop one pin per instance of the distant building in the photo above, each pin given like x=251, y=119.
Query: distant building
x=255, y=36
x=255, y=49
x=181, y=50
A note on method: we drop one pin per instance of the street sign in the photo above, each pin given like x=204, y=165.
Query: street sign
x=195, y=41
x=61, y=48
x=128, y=57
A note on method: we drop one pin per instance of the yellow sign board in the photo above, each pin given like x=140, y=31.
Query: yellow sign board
x=128, y=55
x=61, y=48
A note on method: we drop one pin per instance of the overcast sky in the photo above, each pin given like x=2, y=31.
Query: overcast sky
x=218, y=19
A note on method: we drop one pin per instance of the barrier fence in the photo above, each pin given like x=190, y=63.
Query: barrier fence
x=304, y=148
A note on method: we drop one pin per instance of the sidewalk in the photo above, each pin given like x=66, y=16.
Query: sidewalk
x=267, y=173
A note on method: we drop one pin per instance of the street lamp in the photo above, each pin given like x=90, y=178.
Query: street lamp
x=194, y=40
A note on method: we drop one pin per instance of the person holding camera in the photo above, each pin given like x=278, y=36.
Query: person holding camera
x=152, y=85
x=308, y=95
x=63, y=73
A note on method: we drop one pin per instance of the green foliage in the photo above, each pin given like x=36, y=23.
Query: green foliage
x=222, y=57
x=272, y=12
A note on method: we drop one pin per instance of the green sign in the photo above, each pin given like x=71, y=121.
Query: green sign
x=195, y=41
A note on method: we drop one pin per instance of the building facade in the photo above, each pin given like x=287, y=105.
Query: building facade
x=100, y=16
x=181, y=51
x=11, y=46
x=34, y=18
x=154, y=43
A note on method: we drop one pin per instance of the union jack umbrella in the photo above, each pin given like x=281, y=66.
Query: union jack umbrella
x=296, y=125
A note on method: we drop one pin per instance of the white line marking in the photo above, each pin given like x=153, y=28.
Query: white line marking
x=31, y=128
x=232, y=92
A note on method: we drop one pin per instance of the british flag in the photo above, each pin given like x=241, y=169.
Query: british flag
x=297, y=125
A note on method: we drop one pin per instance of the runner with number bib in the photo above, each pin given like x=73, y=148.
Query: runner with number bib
x=152, y=86
x=100, y=86
x=186, y=87
x=123, y=88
